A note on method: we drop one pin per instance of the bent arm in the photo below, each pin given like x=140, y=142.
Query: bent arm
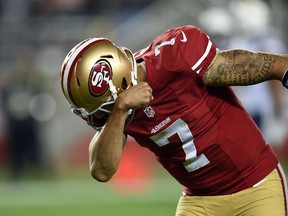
x=242, y=67
x=106, y=147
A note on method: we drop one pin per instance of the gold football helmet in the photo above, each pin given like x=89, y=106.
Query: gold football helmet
x=93, y=73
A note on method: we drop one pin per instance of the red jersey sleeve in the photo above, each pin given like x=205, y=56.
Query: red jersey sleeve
x=180, y=49
x=195, y=48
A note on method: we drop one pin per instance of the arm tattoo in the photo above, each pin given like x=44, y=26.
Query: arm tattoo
x=240, y=67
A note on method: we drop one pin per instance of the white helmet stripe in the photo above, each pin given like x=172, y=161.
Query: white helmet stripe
x=67, y=71
x=205, y=54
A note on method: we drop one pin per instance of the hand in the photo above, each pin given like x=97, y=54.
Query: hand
x=136, y=97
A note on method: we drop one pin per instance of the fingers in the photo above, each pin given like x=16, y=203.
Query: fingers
x=145, y=94
x=136, y=97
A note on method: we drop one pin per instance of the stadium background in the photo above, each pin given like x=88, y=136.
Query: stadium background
x=43, y=147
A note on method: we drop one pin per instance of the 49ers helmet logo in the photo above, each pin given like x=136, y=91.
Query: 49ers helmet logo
x=99, y=77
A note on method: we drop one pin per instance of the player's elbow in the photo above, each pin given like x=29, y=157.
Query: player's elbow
x=100, y=174
x=207, y=82
x=100, y=177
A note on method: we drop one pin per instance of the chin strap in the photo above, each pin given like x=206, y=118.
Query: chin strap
x=134, y=70
x=112, y=89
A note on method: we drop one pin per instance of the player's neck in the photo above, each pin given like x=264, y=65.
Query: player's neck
x=141, y=72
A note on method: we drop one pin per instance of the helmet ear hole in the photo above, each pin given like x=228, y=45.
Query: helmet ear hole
x=124, y=84
x=78, y=82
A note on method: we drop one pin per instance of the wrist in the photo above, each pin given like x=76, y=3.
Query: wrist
x=120, y=106
x=123, y=113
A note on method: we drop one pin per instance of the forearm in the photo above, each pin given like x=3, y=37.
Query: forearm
x=106, y=147
x=242, y=67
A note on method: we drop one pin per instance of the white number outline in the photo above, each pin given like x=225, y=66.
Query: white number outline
x=192, y=161
x=164, y=43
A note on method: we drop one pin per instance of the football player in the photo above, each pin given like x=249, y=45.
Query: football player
x=174, y=98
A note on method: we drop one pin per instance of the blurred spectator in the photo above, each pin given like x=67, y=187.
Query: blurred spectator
x=120, y=9
x=254, y=30
x=60, y=7
x=246, y=24
x=219, y=23
x=15, y=10
x=3, y=126
x=23, y=143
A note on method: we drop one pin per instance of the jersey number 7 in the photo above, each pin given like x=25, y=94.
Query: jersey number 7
x=192, y=161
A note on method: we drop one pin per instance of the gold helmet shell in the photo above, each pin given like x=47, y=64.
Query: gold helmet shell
x=94, y=72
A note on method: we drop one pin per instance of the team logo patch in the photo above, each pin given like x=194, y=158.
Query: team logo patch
x=99, y=78
x=149, y=112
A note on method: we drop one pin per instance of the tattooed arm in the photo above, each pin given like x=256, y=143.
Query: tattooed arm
x=243, y=67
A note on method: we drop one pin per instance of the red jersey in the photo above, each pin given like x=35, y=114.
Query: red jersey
x=202, y=135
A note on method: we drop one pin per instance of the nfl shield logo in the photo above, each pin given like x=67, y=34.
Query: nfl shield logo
x=149, y=112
